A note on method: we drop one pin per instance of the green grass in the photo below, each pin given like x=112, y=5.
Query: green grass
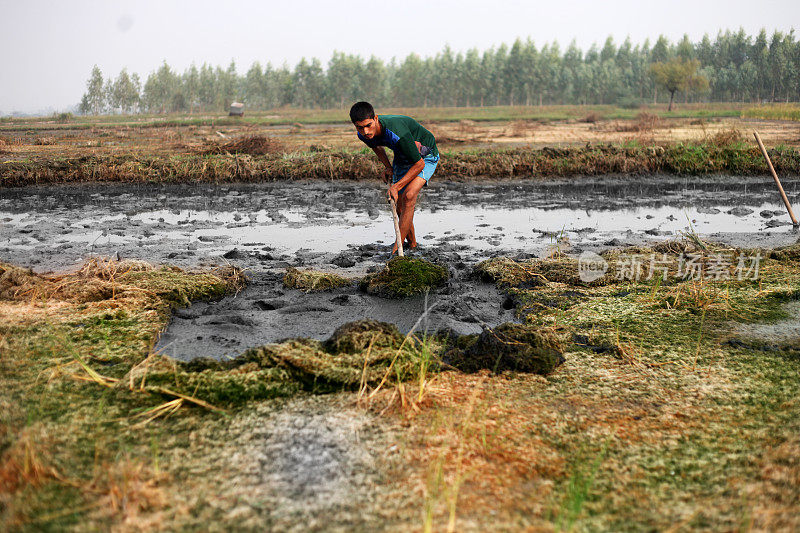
x=693, y=467
x=285, y=116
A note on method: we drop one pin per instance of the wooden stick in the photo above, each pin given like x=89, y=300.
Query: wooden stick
x=398, y=238
x=777, y=181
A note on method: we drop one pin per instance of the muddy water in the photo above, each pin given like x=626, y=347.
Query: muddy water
x=347, y=226
x=56, y=227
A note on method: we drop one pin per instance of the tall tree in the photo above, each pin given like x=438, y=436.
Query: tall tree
x=95, y=97
x=678, y=74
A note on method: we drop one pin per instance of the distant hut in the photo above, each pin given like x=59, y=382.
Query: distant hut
x=237, y=110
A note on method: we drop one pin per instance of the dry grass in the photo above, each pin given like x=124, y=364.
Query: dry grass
x=644, y=122
x=27, y=462
x=470, y=451
x=592, y=118
x=250, y=145
x=654, y=420
x=313, y=280
x=522, y=128
x=726, y=137
x=129, y=493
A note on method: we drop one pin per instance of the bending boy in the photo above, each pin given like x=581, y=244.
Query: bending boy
x=415, y=159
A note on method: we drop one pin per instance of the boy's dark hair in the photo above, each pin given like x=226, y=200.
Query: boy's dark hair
x=361, y=111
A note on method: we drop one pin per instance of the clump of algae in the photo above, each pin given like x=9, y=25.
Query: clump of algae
x=355, y=337
x=508, y=273
x=404, y=277
x=313, y=280
x=515, y=347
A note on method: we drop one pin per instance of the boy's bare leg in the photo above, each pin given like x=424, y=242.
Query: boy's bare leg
x=406, y=204
x=410, y=240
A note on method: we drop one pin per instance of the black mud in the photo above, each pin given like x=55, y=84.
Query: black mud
x=267, y=311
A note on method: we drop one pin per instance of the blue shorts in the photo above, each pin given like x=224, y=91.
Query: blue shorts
x=400, y=169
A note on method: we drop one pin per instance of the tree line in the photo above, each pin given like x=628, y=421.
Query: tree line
x=732, y=67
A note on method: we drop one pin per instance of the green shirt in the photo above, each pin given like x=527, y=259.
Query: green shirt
x=399, y=134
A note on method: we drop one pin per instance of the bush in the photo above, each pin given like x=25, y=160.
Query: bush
x=629, y=102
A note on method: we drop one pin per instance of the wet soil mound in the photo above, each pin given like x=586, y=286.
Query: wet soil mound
x=515, y=347
x=355, y=337
x=787, y=253
x=404, y=277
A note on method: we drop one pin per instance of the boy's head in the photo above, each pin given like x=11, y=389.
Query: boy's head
x=363, y=116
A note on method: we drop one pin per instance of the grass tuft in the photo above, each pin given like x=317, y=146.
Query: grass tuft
x=313, y=280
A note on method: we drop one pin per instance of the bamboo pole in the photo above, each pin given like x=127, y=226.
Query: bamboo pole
x=777, y=181
x=397, y=237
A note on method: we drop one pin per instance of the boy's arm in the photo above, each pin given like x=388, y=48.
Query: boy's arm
x=410, y=148
x=413, y=172
x=381, y=153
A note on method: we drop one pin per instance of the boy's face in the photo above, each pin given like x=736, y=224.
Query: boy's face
x=368, y=128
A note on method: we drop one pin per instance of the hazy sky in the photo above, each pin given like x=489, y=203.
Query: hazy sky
x=48, y=47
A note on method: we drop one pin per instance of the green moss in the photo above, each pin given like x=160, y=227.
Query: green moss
x=313, y=280
x=404, y=277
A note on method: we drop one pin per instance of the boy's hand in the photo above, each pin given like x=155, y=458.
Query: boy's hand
x=393, y=192
x=387, y=175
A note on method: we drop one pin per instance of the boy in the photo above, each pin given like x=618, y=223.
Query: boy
x=415, y=159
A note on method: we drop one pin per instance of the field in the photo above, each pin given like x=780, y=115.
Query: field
x=188, y=340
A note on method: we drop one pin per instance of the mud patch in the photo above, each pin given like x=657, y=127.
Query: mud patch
x=775, y=334
x=267, y=311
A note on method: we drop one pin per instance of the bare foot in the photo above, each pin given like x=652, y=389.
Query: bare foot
x=406, y=246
